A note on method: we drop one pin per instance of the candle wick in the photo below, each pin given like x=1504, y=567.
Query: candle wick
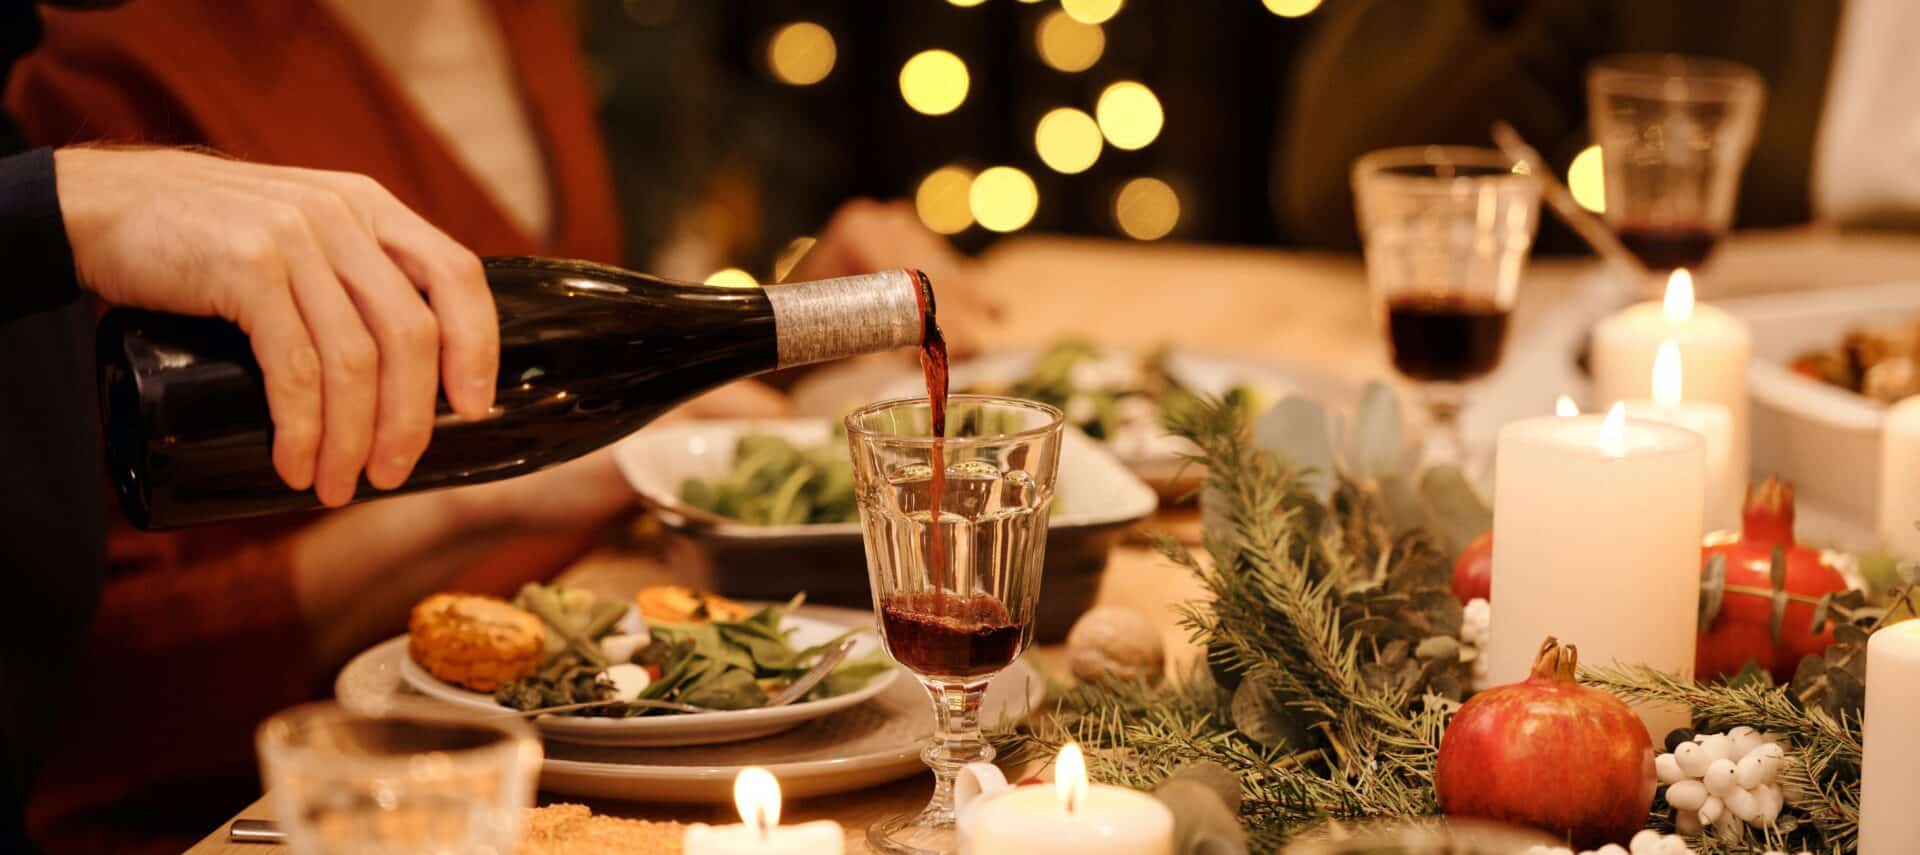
x=760, y=822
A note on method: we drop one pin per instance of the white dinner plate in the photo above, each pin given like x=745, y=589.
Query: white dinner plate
x=656, y=731
x=855, y=748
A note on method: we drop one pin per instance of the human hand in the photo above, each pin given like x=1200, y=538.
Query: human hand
x=357, y=309
x=864, y=236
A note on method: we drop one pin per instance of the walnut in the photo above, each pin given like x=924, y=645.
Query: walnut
x=1113, y=642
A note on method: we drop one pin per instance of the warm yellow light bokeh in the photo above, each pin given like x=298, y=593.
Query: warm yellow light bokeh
x=1003, y=199
x=1291, y=8
x=1068, y=45
x=1584, y=178
x=1091, y=11
x=934, y=82
x=801, y=53
x=732, y=277
x=966, y=3
x=1129, y=115
x=1146, y=209
x=941, y=200
x=790, y=256
x=1068, y=140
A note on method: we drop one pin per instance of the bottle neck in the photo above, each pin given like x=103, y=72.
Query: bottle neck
x=854, y=315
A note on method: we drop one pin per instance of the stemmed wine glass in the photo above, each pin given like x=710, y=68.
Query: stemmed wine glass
x=1446, y=232
x=1674, y=132
x=954, y=566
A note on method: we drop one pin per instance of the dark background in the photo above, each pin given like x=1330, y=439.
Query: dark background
x=700, y=129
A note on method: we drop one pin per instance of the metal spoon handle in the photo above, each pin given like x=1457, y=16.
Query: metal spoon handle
x=1589, y=227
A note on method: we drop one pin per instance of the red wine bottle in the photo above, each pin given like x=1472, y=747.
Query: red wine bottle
x=588, y=354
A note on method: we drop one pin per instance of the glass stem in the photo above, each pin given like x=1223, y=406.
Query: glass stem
x=956, y=741
x=1446, y=443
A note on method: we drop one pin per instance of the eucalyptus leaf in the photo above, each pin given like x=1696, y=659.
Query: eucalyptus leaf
x=1438, y=647
x=1777, y=622
x=1455, y=510
x=1821, y=611
x=1713, y=590
x=1374, y=447
x=1405, y=510
x=1777, y=569
x=1296, y=430
x=1751, y=674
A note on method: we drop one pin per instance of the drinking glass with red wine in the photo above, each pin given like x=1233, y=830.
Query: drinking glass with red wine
x=955, y=521
x=1446, y=232
x=1674, y=133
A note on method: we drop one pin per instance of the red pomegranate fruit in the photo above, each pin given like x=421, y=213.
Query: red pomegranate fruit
x=1742, y=631
x=1473, y=570
x=1549, y=753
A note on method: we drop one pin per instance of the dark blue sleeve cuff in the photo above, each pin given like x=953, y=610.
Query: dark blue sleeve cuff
x=36, y=262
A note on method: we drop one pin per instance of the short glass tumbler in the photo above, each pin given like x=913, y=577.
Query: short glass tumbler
x=955, y=579
x=413, y=780
x=1674, y=133
x=1446, y=232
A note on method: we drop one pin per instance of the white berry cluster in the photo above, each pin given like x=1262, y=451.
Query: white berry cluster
x=1724, y=780
x=1647, y=842
x=1474, y=620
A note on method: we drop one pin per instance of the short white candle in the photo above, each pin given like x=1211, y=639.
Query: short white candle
x=1726, y=485
x=1715, y=346
x=756, y=793
x=1069, y=818
x=1597, y=542
x=1890, y=756
x=1900, y=478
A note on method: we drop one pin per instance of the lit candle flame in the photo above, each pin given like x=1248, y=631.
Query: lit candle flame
x=1565, y=407
x=1613, y=431
x=1679, y=303
x=1070, y=776
x=1666, y=374
x=756, y=793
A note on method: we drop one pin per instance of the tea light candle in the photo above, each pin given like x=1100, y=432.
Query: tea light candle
x=1890, y=755
x=756, y=793
x=1726, y=486
x=1598, y=544
x=1716, y=347
x=1071, y=818
x=1900, y=478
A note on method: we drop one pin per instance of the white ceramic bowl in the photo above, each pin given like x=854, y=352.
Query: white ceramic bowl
x=1824, y=439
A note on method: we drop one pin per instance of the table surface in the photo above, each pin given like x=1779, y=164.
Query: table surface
x=1305, y=308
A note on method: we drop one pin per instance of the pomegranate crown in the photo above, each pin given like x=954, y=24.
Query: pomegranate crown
x=1768, y=516
x=1555, y=662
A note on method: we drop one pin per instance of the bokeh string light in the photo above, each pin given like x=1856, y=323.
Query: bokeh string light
x=1067, y=45
x=942, y=201
x=1146, y=209
x=964, y=4
x=1067, y=140
x=1091, y=11
x=1587, y=180
x=1003, y=199
x=732, y=277
x=1291, y=8
x=1129, y=115
x=934, y=82
x=801, y=53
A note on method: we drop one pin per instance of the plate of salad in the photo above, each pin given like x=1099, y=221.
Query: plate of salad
x=554, y=646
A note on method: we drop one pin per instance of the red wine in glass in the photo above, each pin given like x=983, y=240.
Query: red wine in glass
x=1447, y=338
x=950, y=636
x=1669, y=247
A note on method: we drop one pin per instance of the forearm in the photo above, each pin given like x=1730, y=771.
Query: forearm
x=357, y=571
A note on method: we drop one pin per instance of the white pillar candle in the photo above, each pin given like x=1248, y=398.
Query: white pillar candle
x=1900, y=478
x=1715, y=346
x=1890, y=756
x=1597, y=542
x=756, y=793
x=1726, y=485
x=1070, y=818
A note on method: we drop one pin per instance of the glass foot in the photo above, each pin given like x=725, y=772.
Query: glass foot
x=924, y=833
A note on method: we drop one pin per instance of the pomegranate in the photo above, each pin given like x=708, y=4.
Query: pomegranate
x=1742, y=630
x=1473, y=570
x=1550, y=754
